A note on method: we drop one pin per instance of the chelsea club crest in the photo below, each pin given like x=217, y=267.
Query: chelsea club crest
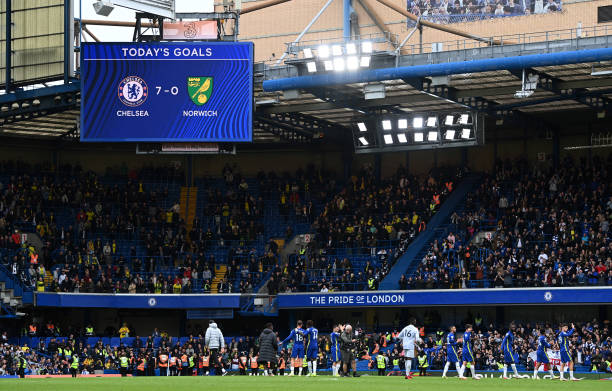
x=132, y=91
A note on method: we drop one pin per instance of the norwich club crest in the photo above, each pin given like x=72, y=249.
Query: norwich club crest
x=199, y=89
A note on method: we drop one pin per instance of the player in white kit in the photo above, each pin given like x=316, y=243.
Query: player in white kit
x=410, y=338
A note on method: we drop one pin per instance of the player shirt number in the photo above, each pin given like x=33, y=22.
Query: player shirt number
x=299, y=337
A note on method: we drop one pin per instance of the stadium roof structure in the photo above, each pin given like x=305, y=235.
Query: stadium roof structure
x=293, y=106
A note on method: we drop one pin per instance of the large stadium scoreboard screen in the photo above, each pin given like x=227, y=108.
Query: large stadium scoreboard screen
x=167, y=92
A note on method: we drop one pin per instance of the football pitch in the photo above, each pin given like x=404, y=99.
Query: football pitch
x=320, y=383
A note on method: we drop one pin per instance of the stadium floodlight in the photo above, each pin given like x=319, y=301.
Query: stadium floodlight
x=432, y=136
x=401, y=137
x=366, y=47
x=364, y=62
x=386, y=124
x=418, y=137
x=465, y=133
x=417, y=122
x=323, y=51
x=338, y=64
x=337, y=50
x=463, y=120
x=450, y=134
x=362, y=127
x=307, y=53
x=329, y=65
x=351, y=49
x=352, y=63
x=363, y=141
x=311, y=66
x=103, y=8
x=388, y=139
x=431, y=122
x=402, y=123
x=449, y=120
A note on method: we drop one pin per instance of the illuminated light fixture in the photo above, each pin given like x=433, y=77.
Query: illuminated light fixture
x=352, y=63
x=432, y=136
x=307, y=53
x=463, y=120
x=431, y=122
x=418, y=137
x=323, y=51
x=401, y=137
x=338, y=64
x=311, y=66
x=449, y=120
x=417, y=122
x=450, y=134
x=465, y=133
x=366, y=47
x=402, y=123
x=337, y=50
x=363, y=141
x=388, y=139
x=351, y=48
x=386, y=124
x=329, y=65
x=362, y=127
x=364, y=62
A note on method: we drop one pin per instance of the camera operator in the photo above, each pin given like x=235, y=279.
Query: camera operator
x=348, y=345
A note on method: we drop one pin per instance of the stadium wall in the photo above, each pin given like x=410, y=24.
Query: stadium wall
x=273, y=27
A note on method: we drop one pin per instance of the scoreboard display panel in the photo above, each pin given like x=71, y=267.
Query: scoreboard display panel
x=167, y=92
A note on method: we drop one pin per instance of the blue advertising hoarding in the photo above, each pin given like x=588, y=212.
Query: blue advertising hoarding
x=454, y=297
x=167, y=92
x=142, y=301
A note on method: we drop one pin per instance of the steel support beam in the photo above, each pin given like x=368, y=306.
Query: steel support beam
x=451, y=95
x=8, y=46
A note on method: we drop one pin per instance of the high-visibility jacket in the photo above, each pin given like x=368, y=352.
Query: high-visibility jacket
x=254, y=362
x=172, y=361
x=205, y=361
x=67, y=353
x=40, y=286
x=184, y=360
x=380, y=361
x=34, y=259
x=281, y=363
x=141, y=364
x=123, y=362
x=163, y=361
x=191, y=364
x=89, y=330
x=422, y=331
x=423, y=362
x=75, y=362
x=243, y=362
x=436, y=199
x=32, y=329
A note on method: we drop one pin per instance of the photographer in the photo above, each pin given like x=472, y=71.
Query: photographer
x=348, y=344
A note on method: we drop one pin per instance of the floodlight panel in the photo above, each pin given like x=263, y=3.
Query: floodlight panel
x=417, y=122
x=401, y=137
x=307, y=53
x=323, y=51
x=386, y=124
x=337, y=50
x=402, y=123
x=311, y=66
x=431, y=121
x=450, y=134
x=329, y=65
x=432, y=136
x=364, y=62
x=362, y=127
x=352, y=63
x=465, y=133
x=449, y=120
x=366, y=47
x=351, y=48
x=388, y=139
x=363, y=141
x=338, y=64
x=418, y=137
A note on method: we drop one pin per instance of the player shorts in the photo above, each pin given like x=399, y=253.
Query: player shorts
x=312, y=353
x=409, y=353
x=565, y=357
x=297, y=352
x=451, y=355
x=335, y=355
x=542, y=358
x=467, y=355
x=509, y=357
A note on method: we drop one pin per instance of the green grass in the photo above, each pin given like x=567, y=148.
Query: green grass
x=320, y=383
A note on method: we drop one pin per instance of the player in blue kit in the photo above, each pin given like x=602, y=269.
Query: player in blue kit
x=297, y=335
x=467, y=353
x=452, y=356
x=564, y=351
x=542, y=356
x=335, y=351
x=507, y=348
x=312, y=347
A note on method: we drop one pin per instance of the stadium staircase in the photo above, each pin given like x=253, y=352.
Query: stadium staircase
x=13, y=294
x=188, y=203
x=438, y=226
x=220, y=272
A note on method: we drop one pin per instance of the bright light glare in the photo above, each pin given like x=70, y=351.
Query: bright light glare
x=431, y=122
x=388, y=139
x=401, y=137
x=417, y=122
x=464, y=119
x=363, y=141
x=432, y=136
x=337, y=50
x=402, y=123
x=338, y=64
x=366, y=47
x=364, y=62
x=307, y=53
x=329, y=65
x=465, y=133
x=418, y=137
x=362, y=127
x=312, y=66
x=386, y=124
x=449, y=120
x=352, y=63
x=450, y=134
x=323, y=51
x=351, y=48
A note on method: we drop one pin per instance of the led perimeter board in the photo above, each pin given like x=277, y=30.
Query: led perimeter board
x=167, y=92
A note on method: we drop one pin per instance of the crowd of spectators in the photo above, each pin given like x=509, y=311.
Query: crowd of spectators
x=362, y=231
x=545, y=228
x=456, y=11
